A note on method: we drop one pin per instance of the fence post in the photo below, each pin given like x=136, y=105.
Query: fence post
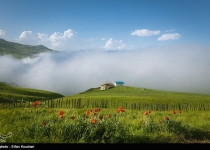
x=61, y=102
x=66, y=103
x=88, y=103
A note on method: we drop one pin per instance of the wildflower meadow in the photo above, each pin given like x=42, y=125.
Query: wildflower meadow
x=40, y=124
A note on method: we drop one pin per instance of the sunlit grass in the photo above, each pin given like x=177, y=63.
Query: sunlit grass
x=130, y=126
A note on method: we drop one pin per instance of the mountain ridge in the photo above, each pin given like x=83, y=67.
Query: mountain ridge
x=20, y=51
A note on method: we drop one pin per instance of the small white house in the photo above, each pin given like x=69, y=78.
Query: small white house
x=119, y=83
x=106, y=86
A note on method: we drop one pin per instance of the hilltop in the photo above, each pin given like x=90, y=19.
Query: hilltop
x=138, y=94
x=9, y=91
x=20, y=51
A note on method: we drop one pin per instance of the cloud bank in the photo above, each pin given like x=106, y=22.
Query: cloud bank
x=69, y=41
x=165, y=37
x=176, y=68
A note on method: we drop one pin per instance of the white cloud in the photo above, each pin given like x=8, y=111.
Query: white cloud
x=68, y=33
x=145, y=32
x=174, y=36
x=57, y=37
x=114, y=44
x=29, y=38
x=43, y=37
x=25, y=34
x=2, y=32
x=69, y=41
x=56, y=41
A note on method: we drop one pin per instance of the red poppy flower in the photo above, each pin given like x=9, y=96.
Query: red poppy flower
x=179, y=111
x=173, y=112
x=101, y=117
x=149, y=111
x=87, y=112
x=36, y=103
x=96, y=109
x=120, y=109
x=60, y=112
x=93, y=121
x=146, y=113
x=94, y=113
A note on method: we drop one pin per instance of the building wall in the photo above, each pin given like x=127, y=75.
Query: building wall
x=118, y=84
x=104, y=87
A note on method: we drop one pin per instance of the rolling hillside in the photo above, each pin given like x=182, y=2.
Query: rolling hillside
x=20, y=51
x=8, y=91
x=136, y=94
x=118, y=94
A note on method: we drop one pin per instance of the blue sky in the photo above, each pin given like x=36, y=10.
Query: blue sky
x=158, y=44
x=109, y=24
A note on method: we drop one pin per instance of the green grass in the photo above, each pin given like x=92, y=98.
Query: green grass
x=131, y=126
x=135, y=95
x=126, y=96
x=8, y=92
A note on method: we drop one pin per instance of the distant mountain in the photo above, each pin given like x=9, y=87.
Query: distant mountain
x=20, y=51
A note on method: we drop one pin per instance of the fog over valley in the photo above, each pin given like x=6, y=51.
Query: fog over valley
x=183, y=68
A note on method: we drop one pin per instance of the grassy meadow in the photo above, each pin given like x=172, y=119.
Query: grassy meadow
x=118, y=115
x=45, y=125
x=135, y=95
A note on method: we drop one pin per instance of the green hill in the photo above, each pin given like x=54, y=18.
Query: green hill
x=20, y=51
x=136, y=94
x=9, y=91
x=119, y=94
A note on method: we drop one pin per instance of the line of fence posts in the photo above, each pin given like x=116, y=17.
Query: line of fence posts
x=77, y=103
